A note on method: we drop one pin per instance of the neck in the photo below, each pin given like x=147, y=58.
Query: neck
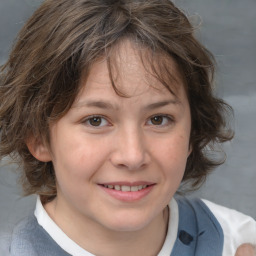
x=85, y=232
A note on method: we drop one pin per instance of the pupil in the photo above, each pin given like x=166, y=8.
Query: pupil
x=95, y=121
x=157, y=120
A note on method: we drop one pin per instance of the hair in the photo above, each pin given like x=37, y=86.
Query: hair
x=59, y=44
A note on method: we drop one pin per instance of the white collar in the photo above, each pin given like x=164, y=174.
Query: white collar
x=74, y=249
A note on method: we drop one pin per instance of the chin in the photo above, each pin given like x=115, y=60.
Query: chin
x=128, y=223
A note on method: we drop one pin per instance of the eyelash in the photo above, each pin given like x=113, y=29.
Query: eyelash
x=168, y=121
x=90, y=118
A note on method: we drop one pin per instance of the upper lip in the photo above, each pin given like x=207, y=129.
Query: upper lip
x=126, y=183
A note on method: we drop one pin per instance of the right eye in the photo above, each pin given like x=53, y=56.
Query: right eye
x=96, y=121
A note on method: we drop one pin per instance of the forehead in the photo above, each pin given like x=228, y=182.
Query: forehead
x=133, y=70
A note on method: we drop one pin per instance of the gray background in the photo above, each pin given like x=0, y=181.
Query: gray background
x=229, y=30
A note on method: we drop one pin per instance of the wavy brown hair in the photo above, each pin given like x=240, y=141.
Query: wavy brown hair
x=58, y=45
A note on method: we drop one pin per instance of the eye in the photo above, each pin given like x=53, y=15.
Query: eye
x=96, y=121
x=160, y=120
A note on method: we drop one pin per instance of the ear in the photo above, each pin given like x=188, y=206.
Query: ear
x=38, y=149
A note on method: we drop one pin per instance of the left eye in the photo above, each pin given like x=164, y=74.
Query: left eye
x=159, y=120
x=96, y=121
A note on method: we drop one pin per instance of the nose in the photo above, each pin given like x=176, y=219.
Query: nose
x=130, y=150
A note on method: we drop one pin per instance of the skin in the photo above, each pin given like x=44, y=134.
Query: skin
x=246, y=250
x=133, y=141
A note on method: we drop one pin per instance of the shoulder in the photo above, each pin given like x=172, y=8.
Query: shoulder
x=18, y=237
x=29, y=238
x=23, y=237
x=237, y=227
x=227, y=227
x=230, y=220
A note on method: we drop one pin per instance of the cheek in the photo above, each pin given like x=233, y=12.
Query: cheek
x=75, y=171
x=175, y=148
x=172, y=155
x=79, y=159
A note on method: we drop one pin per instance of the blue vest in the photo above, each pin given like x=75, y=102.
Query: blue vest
x=199, y=233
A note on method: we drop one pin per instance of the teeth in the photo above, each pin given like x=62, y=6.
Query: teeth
x=126, y=188
x=117, y=187
x=135, y=188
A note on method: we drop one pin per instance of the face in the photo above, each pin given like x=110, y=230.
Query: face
x=119, y=161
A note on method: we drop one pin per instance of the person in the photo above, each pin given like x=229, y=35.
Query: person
x=108, y=106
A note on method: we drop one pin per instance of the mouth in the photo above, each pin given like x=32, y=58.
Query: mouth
x=128, y=192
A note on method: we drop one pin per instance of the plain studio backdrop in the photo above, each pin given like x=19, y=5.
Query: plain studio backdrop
x=228, y=29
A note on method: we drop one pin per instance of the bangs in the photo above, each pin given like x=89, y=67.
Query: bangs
x=159, y=67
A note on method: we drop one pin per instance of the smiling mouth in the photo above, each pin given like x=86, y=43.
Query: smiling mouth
x=128, y=191
x=125, y=188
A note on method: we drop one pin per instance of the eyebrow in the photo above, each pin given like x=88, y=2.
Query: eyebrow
x=162, y=104
x=98, y=104
x=108, y=105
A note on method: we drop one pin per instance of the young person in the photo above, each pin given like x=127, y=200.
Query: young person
x=108, y=106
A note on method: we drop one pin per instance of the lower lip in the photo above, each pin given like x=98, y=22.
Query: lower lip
x=131, y=196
